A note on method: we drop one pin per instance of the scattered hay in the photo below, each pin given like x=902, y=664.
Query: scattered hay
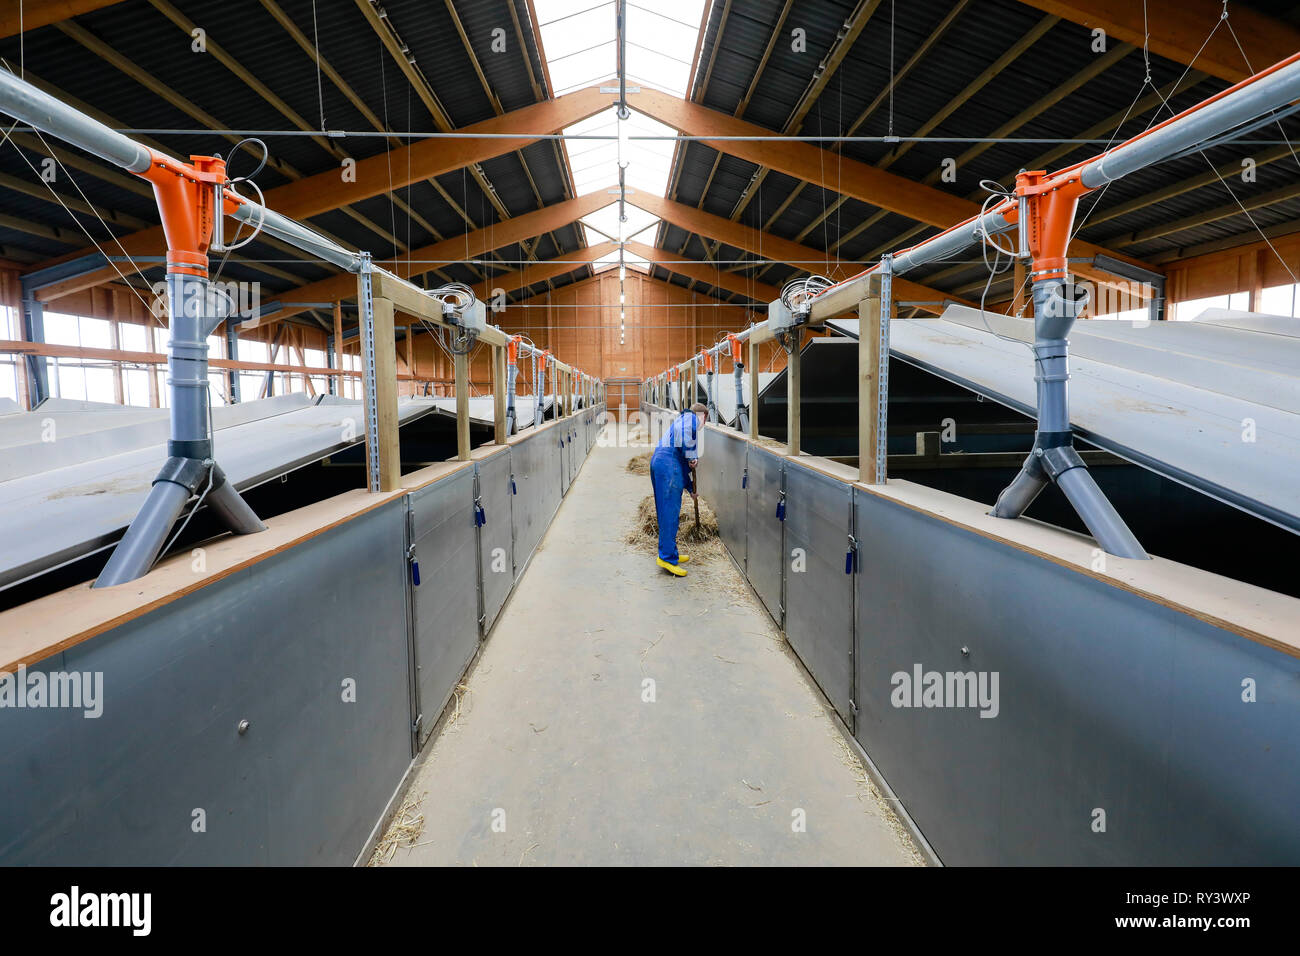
x=645, y=533
x=640, y=465
x=868, y=793
x=403, y=831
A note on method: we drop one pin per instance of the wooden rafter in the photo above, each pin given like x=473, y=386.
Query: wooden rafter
x=1178, y=30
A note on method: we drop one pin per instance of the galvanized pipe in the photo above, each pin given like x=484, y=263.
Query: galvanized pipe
x=38, y=109
x=1269, y=90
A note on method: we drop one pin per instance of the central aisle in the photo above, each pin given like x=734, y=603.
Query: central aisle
x=555, y=743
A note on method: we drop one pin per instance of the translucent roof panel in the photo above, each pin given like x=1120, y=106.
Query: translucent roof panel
x=580, y=40
x=631, y=260
x=605, y=221
x=581, y=45
x=659, y=44
x=595, y=161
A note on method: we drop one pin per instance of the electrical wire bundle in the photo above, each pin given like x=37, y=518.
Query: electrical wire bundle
x=797, y=294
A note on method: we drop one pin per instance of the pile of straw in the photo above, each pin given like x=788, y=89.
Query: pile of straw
x=645, y=533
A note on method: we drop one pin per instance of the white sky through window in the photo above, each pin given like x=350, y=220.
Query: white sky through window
x=581, y=42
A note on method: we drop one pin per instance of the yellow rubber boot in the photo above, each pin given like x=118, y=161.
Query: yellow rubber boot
x=683, y=558
x=671, y=568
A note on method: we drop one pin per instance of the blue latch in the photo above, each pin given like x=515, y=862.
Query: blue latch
x=514, y=490
x=744, y=479
x=415, y=565
x=780, y=507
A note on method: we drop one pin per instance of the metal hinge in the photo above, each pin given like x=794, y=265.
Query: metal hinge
x=853, y=707
x=415, y=724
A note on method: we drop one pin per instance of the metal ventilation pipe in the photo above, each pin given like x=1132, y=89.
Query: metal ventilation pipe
x=190, y=468
x=1053, y=457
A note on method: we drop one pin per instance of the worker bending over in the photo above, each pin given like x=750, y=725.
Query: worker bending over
x=672, y=471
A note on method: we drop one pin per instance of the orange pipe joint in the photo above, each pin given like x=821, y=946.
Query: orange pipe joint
x=736, y=343
x=186, y=197
x=1051, y=204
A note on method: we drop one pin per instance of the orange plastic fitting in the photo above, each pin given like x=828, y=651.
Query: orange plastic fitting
x=186, y=205
x=512, y=349
x=1051, y=206
x=708, y=362
x=736, y=345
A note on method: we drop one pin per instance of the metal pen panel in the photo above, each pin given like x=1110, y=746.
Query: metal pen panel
x=722, y=484
x=559, y=436
x=765, y=538
x=308, y=646
x=496, y=535
x=1116, y=732
x=819, y=581
x=446, y=601
x=537, y=492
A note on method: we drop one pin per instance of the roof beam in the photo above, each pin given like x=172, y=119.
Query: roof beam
x=424, y=159
x=471, y=245
x=756, y=291
x=387, y=32
x=542, y=271
x=24, y=17
x=1011, y=54
x=760, y=243
x=1177, y=30
x=849, y=177
x=826, y=68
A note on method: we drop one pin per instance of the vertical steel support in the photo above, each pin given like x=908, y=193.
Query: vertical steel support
x=366, y=330
x=882, y=370
x=38, y=381
x=232, y=353
x=539, y=390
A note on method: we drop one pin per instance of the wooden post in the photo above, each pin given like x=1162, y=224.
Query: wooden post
x=1018, y=302
x=793, y=386
x=338, y=346
x=462, y=407
x=499, y=392
x=753, y=388
x=390, y=452
x=869, y=317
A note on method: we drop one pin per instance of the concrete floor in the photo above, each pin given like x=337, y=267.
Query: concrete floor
x=555, y=742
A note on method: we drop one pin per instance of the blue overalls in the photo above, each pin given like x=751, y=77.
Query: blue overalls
x=670, y=475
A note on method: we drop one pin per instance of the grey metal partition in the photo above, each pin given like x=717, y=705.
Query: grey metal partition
x=1121, y=734
x=722, y=482
x=496, y=535
x=445, y=605
x=535, y=461
x=765, y=547
x=560, y=435
x=818, y=588
x=309, y=646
